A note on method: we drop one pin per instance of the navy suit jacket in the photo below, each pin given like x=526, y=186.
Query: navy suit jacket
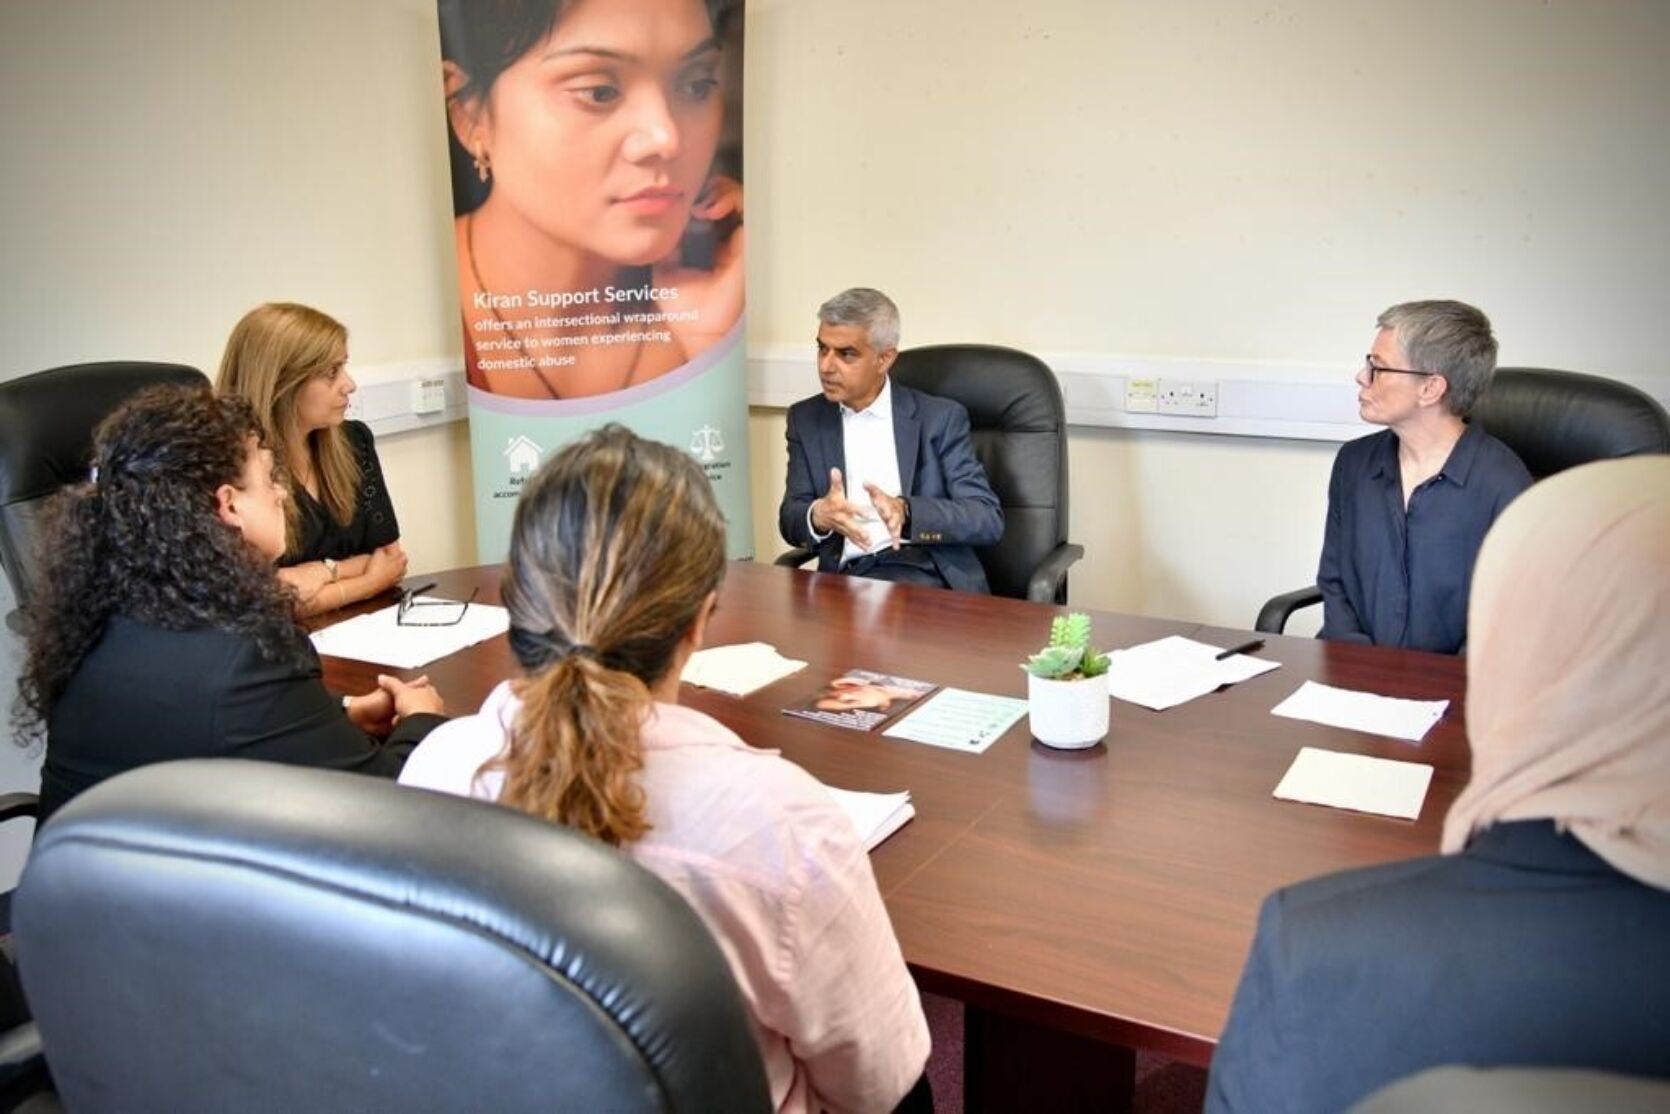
x=1527, y=949
x=952, y=506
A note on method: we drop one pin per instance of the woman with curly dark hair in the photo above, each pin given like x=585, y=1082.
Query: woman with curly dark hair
x=615, y=562
x=161, y=630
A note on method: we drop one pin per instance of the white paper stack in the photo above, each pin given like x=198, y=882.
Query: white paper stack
x=377, y=637
x=739, y=669
x=1357, y=782
x=1408, y=720
x=1172, y=671
x=875, y=815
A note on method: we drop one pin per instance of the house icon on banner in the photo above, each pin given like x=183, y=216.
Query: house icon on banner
x=522, y=455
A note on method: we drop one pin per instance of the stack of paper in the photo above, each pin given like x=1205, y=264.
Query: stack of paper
x=1409, y=720
x=1171, y=671
x=1356, y=782
x=377, y=637
x=875, y=815
x=960, y=720
x=740, y=669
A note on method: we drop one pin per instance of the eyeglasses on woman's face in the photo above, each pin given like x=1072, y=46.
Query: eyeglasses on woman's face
x=1371, y=369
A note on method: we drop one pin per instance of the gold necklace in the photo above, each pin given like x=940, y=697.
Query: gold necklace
x=492, y=307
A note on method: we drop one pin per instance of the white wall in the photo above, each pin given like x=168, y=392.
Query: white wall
x=1219, y=180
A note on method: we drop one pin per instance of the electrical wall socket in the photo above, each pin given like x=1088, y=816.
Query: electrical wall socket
x=1142, y=396
x=428, y=396
x=1187, y=399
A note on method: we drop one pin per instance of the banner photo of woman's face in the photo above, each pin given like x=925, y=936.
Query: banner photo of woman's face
x=596, y=154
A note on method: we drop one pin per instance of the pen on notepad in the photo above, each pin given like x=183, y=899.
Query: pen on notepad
x=1245, y=648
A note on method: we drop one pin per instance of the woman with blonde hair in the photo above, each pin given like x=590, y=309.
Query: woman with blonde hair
x=291, y=362
x=616, y=557
x=1538, y=938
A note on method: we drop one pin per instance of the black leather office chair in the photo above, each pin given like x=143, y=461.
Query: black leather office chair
x=46, y=438
x=226, y=935
x=1019, y=427
x=1554, y=420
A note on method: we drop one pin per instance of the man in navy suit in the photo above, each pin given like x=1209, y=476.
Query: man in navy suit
x=883, y=481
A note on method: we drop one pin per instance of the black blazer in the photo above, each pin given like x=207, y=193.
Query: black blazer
x=144, y=694
x=1527, y=949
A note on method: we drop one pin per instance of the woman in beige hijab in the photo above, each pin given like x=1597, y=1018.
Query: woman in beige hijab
x=1542, y=935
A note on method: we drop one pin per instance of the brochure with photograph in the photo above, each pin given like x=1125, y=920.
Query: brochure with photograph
x=861, y=700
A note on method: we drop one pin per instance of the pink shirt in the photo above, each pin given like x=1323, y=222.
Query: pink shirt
x=774, y=868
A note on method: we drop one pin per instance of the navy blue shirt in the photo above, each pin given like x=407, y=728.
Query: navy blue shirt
x=1391, y=577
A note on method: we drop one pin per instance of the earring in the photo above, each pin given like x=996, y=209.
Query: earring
x=481, y=167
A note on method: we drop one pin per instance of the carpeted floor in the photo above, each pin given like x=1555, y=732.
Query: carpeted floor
x=1162, y=1087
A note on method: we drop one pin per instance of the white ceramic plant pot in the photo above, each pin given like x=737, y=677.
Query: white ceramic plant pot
x=1069, y=715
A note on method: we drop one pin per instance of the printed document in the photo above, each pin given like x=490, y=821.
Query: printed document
x=740, y=669
x=960, y=720
x=1171, y=671
x=377, y=637
x=875, y=815
x=1356, y=782
x=1408, y=720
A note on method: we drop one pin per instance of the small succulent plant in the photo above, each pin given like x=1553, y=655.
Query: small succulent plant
x=1069, y=655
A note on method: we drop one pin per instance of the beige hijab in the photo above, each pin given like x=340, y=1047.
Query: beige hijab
x=1568, y=688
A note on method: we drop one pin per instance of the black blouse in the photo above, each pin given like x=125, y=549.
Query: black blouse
x=318, y=535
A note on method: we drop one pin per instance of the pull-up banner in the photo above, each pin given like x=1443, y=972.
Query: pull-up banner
x=596, y=153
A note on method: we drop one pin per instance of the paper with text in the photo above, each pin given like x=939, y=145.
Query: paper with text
x=740, y=669
x=1408, y=720
x=377, y=637
x=1357, y=782
x=1171, y=671
x=875, y=815
x=960, y=720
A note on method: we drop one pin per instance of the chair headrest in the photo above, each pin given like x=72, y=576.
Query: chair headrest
x=1556, y=420
x=47, y=420
x=277, y=908
x=1002, y=388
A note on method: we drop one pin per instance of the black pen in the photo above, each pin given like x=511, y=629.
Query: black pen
x=1245, y=648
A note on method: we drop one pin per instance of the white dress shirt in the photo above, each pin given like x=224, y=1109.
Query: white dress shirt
x=872, y=457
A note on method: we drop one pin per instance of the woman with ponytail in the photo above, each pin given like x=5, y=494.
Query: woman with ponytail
x=616, y=556
x=161, y=629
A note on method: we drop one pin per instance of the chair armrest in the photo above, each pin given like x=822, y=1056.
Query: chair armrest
x=1273, y=616
x=1045, y=585
x=14, y=805
x=794, y=558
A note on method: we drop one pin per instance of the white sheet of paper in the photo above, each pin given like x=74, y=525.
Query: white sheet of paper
x=1357, y=782
x=960, y=720
x=376, y=637
x=1408, y=720
x=739, y=669
x=875, y=815
x=1174, y=670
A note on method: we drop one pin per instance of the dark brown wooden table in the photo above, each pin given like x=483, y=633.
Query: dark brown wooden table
x=1079, y=902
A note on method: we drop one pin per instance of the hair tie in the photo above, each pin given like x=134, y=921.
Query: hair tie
x=584, y=650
